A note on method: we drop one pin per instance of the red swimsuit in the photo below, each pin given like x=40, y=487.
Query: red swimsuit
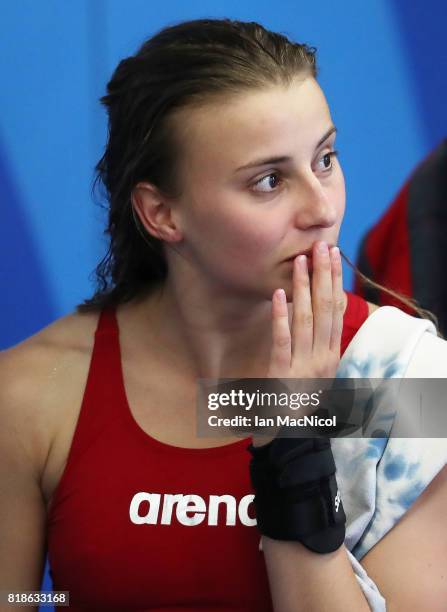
x=137, y=524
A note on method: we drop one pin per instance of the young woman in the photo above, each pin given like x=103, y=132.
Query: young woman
x=226, y=200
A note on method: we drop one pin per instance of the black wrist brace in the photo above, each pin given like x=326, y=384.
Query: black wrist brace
x=296, y=493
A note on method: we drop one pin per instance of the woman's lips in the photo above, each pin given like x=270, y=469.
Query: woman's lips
x=308, y=254
x=308, y=258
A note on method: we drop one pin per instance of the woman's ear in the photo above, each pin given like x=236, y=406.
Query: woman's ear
x=155, y=213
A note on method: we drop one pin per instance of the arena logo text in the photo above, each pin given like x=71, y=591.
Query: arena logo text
x=190, y=510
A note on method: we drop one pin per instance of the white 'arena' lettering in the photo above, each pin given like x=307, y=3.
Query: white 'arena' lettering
x=215, y=501
x=190, y=510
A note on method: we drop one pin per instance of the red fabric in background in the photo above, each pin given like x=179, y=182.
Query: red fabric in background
x=405, y=250
x=388, y=254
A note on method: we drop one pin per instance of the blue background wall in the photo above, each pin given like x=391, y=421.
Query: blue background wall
x=383, y=67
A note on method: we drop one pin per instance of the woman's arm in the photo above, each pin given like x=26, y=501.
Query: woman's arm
x=22, y=508
x=409, y=565
x=301, y=580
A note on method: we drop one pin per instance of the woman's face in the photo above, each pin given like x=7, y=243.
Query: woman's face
x=260, y=184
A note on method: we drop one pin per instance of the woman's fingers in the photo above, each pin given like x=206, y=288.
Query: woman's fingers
x=303, y=319
x=339, y=301
x=281, y=340
x=317, y=322
x=322, y=298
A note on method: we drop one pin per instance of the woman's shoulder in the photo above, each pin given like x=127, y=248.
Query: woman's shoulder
x=42, y=377
x=49, y=350
x=69, y=331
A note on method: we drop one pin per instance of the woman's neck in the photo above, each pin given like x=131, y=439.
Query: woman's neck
x=204, y=336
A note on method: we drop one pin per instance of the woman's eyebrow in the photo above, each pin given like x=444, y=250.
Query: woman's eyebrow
x=284, y=158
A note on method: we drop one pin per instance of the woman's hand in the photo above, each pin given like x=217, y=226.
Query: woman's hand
x=296, y=491
x=312, y=348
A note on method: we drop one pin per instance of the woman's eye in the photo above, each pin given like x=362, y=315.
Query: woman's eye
x=268, y=183
x=326, y=161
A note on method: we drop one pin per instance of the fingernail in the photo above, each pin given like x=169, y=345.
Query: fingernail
x=281, y=295
x=302, y=262
x=335, y=253
x=322, y=247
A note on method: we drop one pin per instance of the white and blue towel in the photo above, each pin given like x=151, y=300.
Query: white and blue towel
x=380, y=478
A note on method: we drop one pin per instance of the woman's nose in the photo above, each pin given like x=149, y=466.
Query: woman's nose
x=314, y=207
